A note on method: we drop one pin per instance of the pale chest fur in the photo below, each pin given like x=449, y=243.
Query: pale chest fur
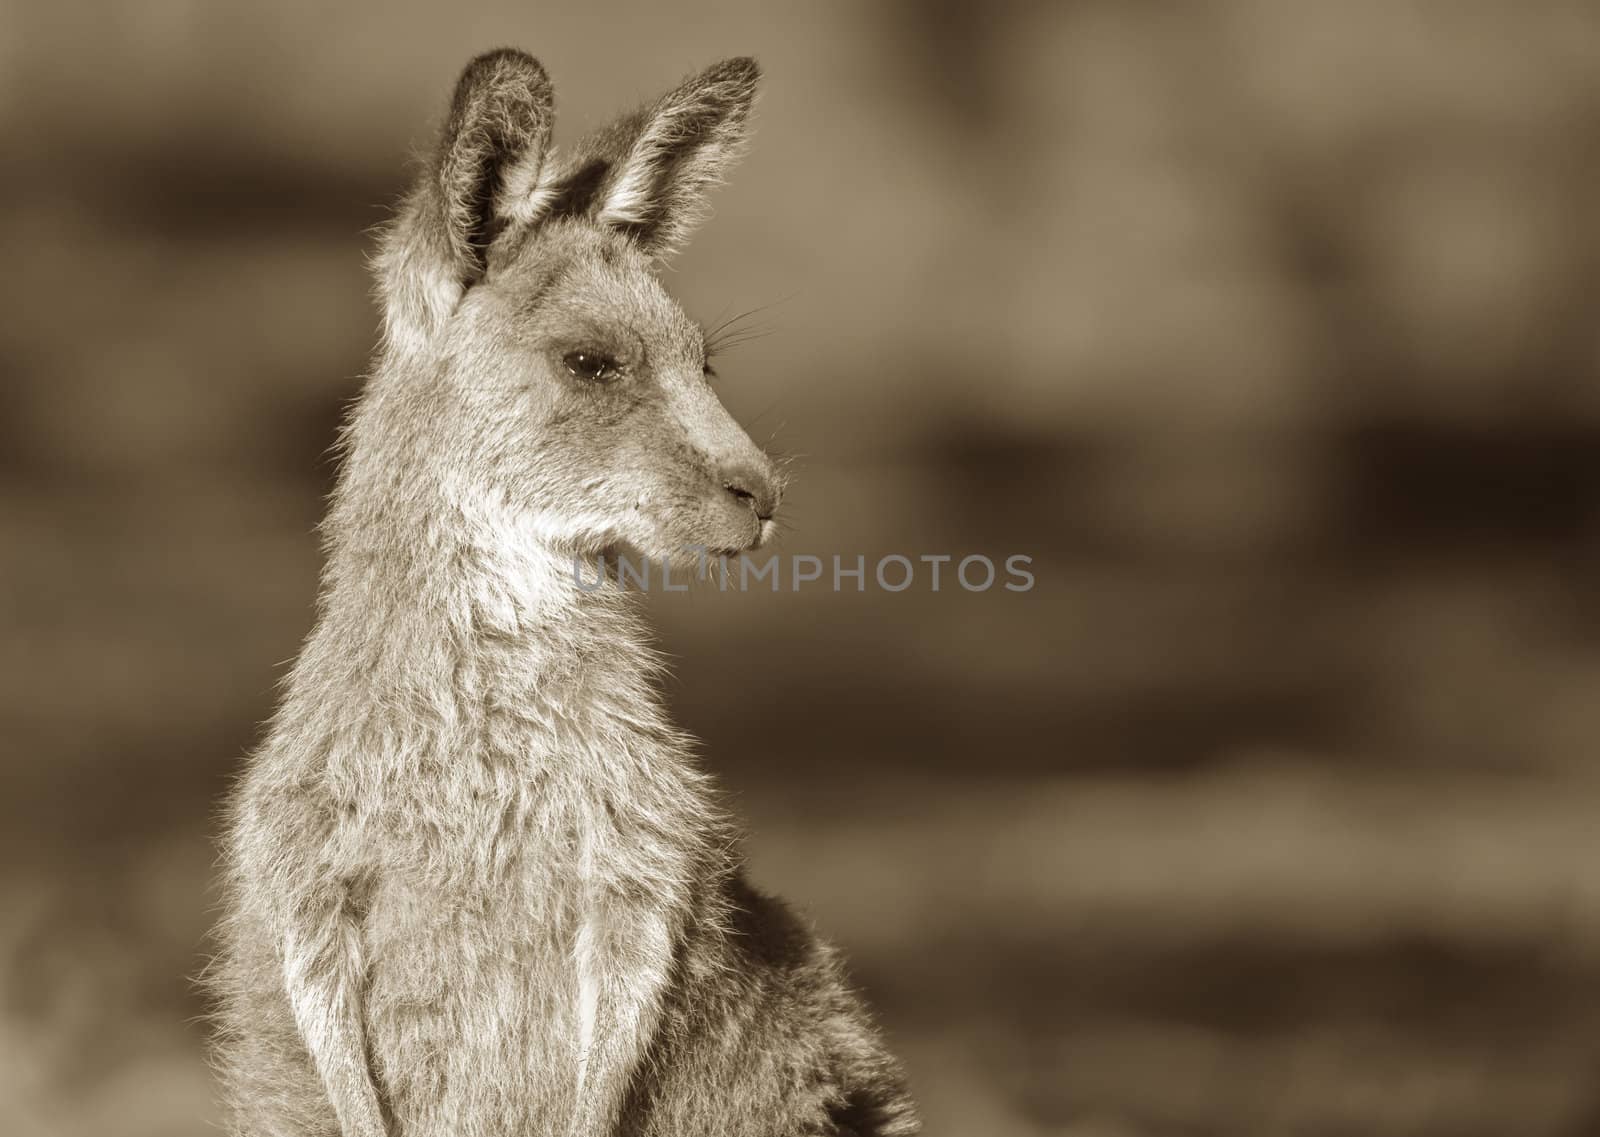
x=520, y=858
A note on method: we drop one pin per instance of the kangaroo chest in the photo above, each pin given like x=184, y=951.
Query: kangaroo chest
x=521, y=920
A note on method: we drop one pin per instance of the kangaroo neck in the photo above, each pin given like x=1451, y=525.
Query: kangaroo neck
x=430, y=582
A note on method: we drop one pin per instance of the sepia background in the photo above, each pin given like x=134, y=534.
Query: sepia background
x=1265, y=328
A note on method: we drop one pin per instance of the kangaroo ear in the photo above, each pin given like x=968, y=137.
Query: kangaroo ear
x=479, y=182
x=681, y=148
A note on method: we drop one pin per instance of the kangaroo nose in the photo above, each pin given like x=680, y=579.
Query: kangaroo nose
x=754, y=485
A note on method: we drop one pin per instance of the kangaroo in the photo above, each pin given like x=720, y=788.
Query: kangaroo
x=475, y=883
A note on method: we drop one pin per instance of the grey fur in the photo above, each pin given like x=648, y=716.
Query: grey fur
x=476, y=885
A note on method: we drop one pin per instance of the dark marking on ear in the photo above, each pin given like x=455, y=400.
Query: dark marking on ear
x=646, y=175
x=486, y=224
x=478, y=184
x=576, y=193
x=497, y=132
x=680, y=148
x=865, y=1111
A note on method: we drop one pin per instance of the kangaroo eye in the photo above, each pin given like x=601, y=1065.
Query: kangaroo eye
x=593, y=365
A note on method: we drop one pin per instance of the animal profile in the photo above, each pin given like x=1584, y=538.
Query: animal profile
x=476, y=884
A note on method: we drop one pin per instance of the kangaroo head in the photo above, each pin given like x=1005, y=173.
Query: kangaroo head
x=531, y=348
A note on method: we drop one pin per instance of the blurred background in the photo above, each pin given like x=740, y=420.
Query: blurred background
x=1265, y=327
